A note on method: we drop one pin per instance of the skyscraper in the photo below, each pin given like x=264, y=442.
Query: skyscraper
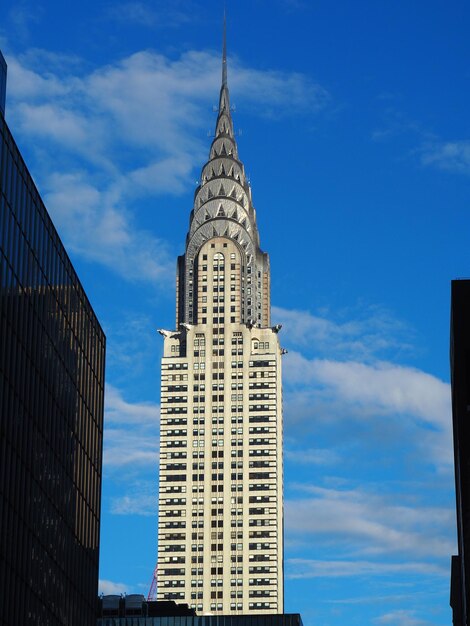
x=220, y=538
x=52, y=351
x=460, y=378
x=3, y=84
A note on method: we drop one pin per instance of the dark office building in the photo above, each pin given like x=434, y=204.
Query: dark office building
x=134, y=609
x=3, y=84
x=52, y=351
x=460, y=377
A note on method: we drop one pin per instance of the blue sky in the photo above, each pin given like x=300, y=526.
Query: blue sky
x=354, y=131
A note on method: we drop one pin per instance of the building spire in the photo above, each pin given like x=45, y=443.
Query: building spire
x=223, y=207
x=224, y=119
x=224, y=52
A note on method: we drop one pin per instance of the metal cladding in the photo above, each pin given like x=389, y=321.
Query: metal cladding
x=223, y=207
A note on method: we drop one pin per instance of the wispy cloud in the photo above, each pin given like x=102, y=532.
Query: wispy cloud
x=274, y=92
x=131, y=345
x=128, y=131
x=448, y=155
x=98, y=227
x=401, y=618
x=144, y=14
x=381, y=599
x=384, y=398
x=363, y=333
x=313, y=456
x=131, y=450
x=396, y=122
x=131, y=437
x=429, y=148
x=353, y=410
x=22, y=19
x=108, y=587
x=311, y=568
x=141, y=499
x=369, y=523
x=385, y=387
x=118, y=411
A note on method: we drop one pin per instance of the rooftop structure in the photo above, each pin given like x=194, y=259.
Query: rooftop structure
x=134, y=609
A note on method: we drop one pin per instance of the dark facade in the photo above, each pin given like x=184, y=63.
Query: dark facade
x=460, y=378
x=134, y=610
x=3, y=84
x=52, y=351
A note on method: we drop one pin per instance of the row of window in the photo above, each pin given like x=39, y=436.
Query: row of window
x=201, y=353
x=233, y=397
x=198, y=419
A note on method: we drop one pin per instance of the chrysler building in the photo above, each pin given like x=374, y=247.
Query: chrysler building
x=220, y=522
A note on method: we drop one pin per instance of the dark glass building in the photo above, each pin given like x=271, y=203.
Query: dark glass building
x=52, y=352
x=134, y=610
x=460, y=378
x=3, y=84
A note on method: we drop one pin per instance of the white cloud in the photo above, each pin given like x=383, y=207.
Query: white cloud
x=143, y=14
x=361, y=333
x=385, y=387
x=448, y=155
x=311, y=568
x=361, y=522
x=142, y=499
x=54, y=123
x=313, y=456
x=376, y=413
x=274, y=92
x=382, y=599
x=26, y=84
x=126, y=130
x=108, y=587
x=98, y=227
x=401, y=618
x=124, y=447
x=131, y=437
x=377, y=402
x=390, y=387
x=119, y=411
